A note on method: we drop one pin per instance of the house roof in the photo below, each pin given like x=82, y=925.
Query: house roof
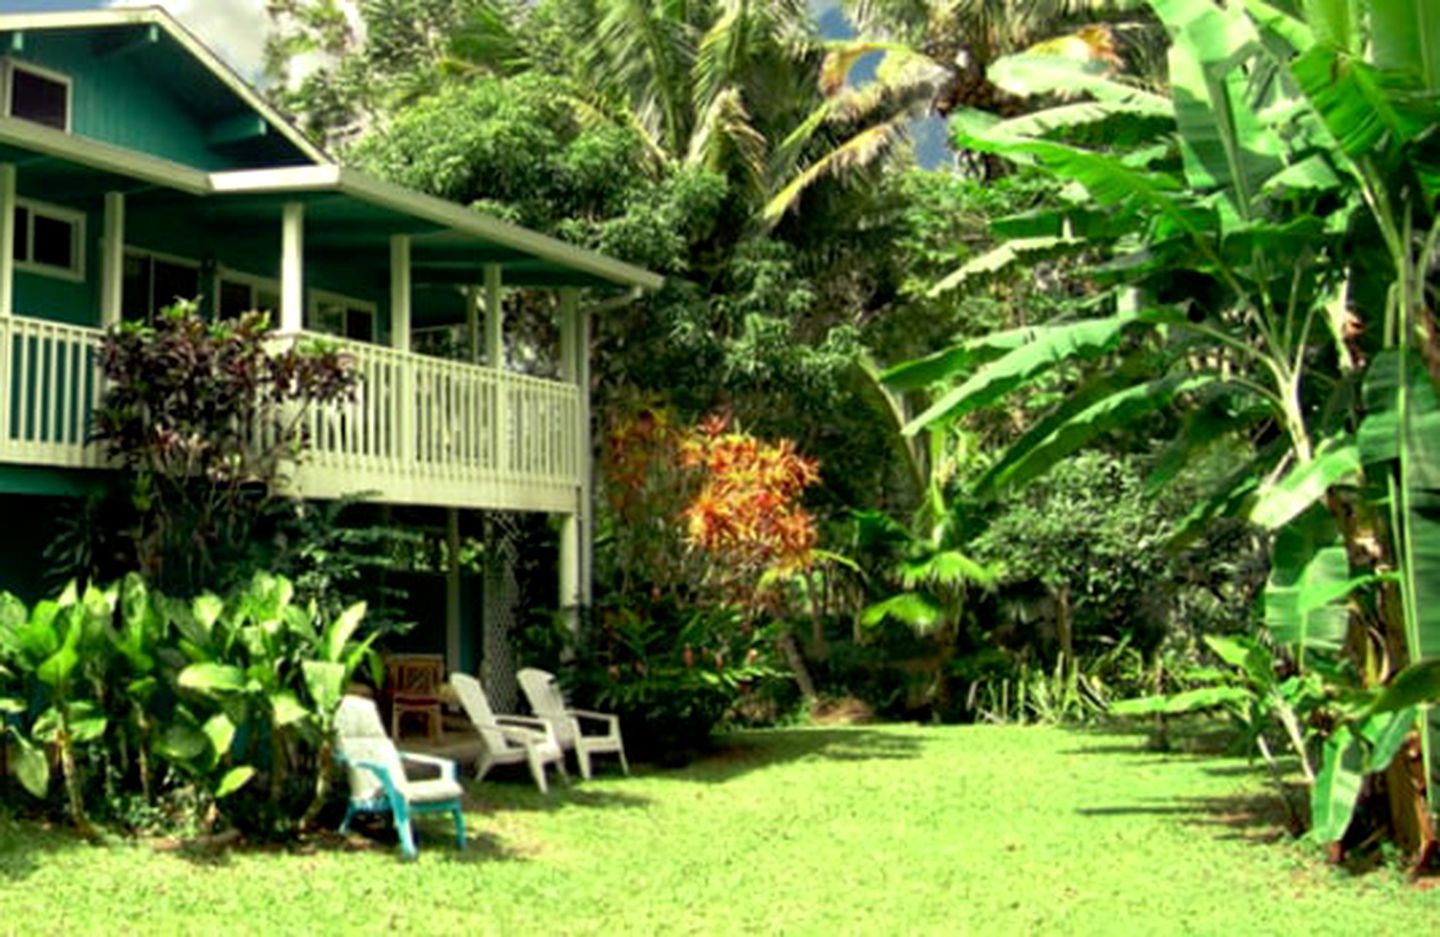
x=346, y=209
x=212, y=86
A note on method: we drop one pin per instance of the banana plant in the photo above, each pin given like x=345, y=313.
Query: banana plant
x=1271, y=228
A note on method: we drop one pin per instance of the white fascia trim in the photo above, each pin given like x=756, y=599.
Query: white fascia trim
x=103, y=156
x=80, y=19
x=437, y=211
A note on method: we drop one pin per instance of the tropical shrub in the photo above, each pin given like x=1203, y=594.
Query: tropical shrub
x=232, y=699
x=203, y=416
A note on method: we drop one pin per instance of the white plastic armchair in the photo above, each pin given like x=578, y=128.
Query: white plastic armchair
x=378, y=782
x=508, y=739
x=569, y=724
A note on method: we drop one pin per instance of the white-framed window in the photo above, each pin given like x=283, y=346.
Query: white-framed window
x=37, y=94
x=344, y=316
x=153, y=281
x=49, y=239
x=238, y=293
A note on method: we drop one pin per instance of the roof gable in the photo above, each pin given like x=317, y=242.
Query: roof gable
x=142, y=81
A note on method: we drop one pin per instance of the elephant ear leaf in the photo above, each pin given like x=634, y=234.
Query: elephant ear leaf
x=32, y=767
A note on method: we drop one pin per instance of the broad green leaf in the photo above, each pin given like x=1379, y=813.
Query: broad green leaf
x=1300, y=605
x=1337, y=787
x=1361, y=105
x=921, y=612
x=959, y=359
x=183, y=743
x=233, y=780
x=1311, y=174
x=1406, y=38
x=1053, y=345
x=1031, y=458
x=946, y=568
x=221, y=733
x=32, y=767
x=1188, y=701
x=287, y=708
x=213, y=678
x=1007, y=255
x=1028, y=74
x=1386, y=734
x=1416, y=685
x=207, y=609
x=326, y=682
x=1247, y=656
x=1224, y=144
x=1304, y=485
x=342, y=629
x=1270, y=18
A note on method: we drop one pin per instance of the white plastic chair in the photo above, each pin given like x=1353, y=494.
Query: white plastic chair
x=378, y=783
x=508, y=740
x=549, y=704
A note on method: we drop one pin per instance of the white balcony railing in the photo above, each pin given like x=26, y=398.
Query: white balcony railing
x=418, y=430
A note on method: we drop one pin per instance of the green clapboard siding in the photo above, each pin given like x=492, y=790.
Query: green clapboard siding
x=114, y=102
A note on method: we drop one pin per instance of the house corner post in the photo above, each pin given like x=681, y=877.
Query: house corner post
x=7, y=239
x=575, y=532
x=502, y=445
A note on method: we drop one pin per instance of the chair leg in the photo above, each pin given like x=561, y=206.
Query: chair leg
x=459, y=827
x=624, y=765
x=483, y=764
x=537, y=770
x=349, y=815
x=582, y=755
x=407, y=838
x=560, y=766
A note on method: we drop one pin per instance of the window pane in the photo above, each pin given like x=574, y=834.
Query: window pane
x=54, y=243
x=42, y=100
x=359, y=324
x=329, y=318
x=22, y=233
x=174, y=281
x=268, y=300
x=234, y=299
x=135, y=296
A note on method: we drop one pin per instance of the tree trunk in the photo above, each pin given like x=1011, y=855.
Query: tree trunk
x=796, y=660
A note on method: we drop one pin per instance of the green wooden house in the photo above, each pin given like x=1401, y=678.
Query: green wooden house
x=135, y=167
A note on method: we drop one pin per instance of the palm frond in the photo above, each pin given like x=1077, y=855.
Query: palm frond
x=725, y=141
x=860, y=150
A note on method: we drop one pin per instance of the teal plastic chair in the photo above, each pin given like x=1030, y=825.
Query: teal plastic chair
x=378, y=782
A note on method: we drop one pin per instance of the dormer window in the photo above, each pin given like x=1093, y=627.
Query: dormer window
x=37, y=94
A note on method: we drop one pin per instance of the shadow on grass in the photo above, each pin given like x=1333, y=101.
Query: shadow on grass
x=25, y=844
x=486, y=797
x=743, y=752
x=1181, y=737
x=1259, y=818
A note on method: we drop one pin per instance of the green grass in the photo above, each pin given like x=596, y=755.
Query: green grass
x=892, y=830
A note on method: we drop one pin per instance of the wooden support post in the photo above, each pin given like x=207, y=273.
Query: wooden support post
x=406, y=403
x=452, y=591
x=292, y=268
x=7, y=239
x=112, y=261
x=575, y=585
x=494, y=320
x=501, y=443
x=472, y=323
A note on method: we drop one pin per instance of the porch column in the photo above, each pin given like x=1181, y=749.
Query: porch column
x=575, y=581
x=472, y=323
x=406, y=402
x=112, y=261
x=501, y=443
x=292, y=267
x=7, y=239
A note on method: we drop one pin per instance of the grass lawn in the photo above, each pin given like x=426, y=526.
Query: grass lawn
x=892, y=830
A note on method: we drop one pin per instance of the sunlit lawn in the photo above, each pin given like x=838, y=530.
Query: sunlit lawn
x=889, y=830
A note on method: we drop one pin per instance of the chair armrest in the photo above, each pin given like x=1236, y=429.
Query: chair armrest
x=446, y=765
x=392, y=789
x=526, y=722
x=609, y=719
